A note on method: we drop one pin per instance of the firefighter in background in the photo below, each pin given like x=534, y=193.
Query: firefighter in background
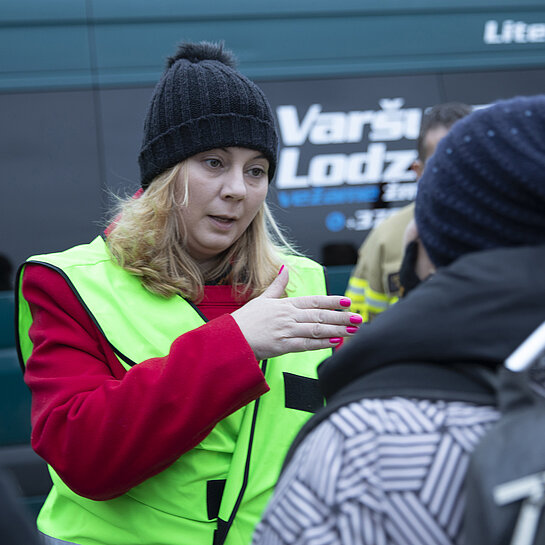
x=374, y=283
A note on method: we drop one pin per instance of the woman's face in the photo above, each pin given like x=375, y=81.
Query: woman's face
x=226, y=188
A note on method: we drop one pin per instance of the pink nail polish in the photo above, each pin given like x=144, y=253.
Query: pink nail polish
x=344, y=302
x=351, y=329
x=356, y=319
x=281, y=269
x=335, y=340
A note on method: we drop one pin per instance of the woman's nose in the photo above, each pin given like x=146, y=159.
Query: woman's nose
x=234, y=186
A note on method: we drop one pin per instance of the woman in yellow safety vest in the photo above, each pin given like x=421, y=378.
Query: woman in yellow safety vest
x=170, y=362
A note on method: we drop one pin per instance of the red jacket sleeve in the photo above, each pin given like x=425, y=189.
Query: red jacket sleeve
x=105, y=430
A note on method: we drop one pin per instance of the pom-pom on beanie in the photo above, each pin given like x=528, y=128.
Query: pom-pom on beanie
x=203, y=102
x=484, y=187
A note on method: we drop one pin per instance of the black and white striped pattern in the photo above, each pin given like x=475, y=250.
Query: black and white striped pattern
x=378, y=472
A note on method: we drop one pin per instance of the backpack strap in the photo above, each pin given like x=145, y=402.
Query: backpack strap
x=472, y=383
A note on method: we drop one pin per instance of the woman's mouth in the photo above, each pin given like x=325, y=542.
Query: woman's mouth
x=223, y=221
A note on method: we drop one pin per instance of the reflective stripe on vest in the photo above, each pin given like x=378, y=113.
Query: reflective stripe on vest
x=240, y=459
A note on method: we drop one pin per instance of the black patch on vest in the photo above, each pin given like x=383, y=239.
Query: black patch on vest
x=302, y=393
x=214, y=492
x=220, y=534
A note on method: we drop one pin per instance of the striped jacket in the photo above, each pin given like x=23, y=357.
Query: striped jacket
x=378, y=472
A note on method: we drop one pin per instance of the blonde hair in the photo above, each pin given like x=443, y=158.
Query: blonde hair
x=147, y=239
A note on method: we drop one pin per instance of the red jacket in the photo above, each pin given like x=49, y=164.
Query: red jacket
x=105, y=430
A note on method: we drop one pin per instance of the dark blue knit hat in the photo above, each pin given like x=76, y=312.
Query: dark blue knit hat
x=484, y=187
x=202, y=102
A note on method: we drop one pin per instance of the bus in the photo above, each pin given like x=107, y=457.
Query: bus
x=348, y=82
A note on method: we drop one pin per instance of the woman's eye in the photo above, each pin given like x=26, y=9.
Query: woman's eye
x=257, y=172
x=213, y=163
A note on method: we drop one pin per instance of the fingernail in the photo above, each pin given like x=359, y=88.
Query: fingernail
x=281, y=269
x=344, y=302
x=351, y=329
x=356, y=319
x=335, y=340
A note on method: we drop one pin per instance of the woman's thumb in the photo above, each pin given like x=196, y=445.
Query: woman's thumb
x=277, y=288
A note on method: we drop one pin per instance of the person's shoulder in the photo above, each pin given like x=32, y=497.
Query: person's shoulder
x=496, y=269
x=89, y=253
x=390, y=228
x=396, y=223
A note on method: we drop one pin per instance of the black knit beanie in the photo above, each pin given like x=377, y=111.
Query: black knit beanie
x=484, y=187
x=202, y=102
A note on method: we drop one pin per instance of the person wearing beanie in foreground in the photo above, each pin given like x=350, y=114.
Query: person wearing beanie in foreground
x=173, y=360
x=385, y=460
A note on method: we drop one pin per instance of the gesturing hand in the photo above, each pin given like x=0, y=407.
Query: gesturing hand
x=274, y=325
